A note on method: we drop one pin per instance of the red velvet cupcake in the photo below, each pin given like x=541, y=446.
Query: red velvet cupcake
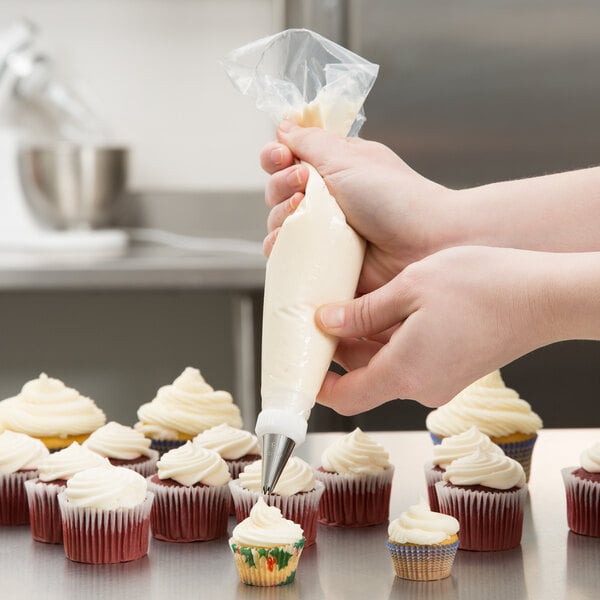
x=192, y=497
x=357, y=476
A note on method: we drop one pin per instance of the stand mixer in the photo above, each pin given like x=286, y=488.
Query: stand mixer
x=35, y=104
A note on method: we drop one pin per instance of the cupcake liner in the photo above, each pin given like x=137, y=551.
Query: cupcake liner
x=521, y=452
x=267, y=566
x=96, y=536
x=432, y=476
x=13, y=497
x=301, y=508
x=488, y=520
x=44, y=513
x=357, y=501
x=421, y=562
x=144, y=468
x=163, y=446
x=235, y=468
x=583, y=503
x=189, y=514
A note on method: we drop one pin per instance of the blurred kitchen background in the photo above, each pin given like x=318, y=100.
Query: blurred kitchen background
x=469, y=92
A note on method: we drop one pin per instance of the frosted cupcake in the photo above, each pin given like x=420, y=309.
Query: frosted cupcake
x=183, y=409
x=105, y=513
x=582, y=486
x=237, y=447
x=486, y=492
x=124, y=447
x=266, y=547
x=296, y=495
x=191, y=495
x=357, y=476
x=42, y=493
x=423, y=543
x=54, y=413
x=495, y=410
x=452, y=448
x=19, y=459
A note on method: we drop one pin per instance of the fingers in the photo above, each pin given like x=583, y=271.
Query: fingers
x=269, y=241
x=285, y=183
x=352, y=354
x=275, y=157
x=281, y=211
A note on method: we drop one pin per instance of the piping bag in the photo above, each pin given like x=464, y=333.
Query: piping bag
x=317, y=258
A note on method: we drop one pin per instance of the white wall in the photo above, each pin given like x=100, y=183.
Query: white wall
x=153, y=65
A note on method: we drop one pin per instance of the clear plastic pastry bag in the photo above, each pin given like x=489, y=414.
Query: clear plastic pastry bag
x=301, y=76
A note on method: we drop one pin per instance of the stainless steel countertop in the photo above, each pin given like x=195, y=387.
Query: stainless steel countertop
x=353, y=564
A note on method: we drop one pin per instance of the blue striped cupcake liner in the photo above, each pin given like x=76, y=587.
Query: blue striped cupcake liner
x=422, y=562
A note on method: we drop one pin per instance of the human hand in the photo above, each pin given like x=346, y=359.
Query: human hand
x=391, y=206
x=439, y=325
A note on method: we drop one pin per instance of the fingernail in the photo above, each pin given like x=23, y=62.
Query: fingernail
x=333, y=317
x=276, y=156
x=287, y=126
x=295, y=200
x=294, y=179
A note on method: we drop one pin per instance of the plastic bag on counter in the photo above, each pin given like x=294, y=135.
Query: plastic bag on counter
x=301, y=76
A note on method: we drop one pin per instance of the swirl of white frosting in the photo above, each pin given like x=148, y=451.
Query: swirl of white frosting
x=118, y=441
x=20, y=452
x=489, y=405
x=106, y=488
x=189, y=405
x=420, y=525
x=462, y=444
x=590, y=458
x=190, y=464
x=229, y=442
x=487, y=468
x=46, y=407
x=297, y=476
x=65, y=463
x=266, y=528
x=355, y=454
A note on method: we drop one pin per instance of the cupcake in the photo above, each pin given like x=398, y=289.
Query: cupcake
x=105, y=514
x=423, y=543
x=357, y=476
x=486, y=492
x=183, y=409
x=451, y=448
x=191, y=495
x=496, y=411
x=266, y=547
x=124, y=447
x=19, y=459
x=48, y=410
x=296, y=495
x=42, y=492
x=582, y=485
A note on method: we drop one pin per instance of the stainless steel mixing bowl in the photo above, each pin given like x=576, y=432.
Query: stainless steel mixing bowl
x=72, y=186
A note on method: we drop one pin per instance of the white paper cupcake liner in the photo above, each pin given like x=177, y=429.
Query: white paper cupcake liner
x=189, y=514
x=302, y=508
x=97, y=536
x=44, y=513
x=355, y=501
x=145, y=468
x=13, y=497
x=488, y=520
x=583, y=503
x=432, y=476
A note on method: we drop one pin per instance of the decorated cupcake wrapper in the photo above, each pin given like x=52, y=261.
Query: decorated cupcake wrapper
x=267, y=566
x=436, y=439
x=488, y=520
x=358, y=501
x=521, y=452
x=301, y=508
x=432, y=476
x=13, y=497
x=96, y=536
x=189, y=514
x=422, y=563
x=583, y=503
x=44, y=513
x=163, y=446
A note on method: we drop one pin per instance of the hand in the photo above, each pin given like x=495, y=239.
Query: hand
x=384, y=200
x=438, y=326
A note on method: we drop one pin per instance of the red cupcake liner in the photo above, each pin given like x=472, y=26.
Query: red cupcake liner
x=44, y=513
x=13, y=497
x=432, y=476
x=583, y=503
x=189, y=514
x=355, y=501
x=96, y=536
x=302, y=508
x=488, y=520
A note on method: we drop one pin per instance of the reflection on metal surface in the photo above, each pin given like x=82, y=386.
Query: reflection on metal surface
x=583, y=566
x=446, y=589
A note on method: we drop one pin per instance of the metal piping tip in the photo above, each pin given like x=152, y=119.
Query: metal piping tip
x=277, y=449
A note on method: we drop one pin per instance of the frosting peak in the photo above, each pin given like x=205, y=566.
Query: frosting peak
x=118, y=441
x=354, y=454
x=590, y=458
x=462, y=444
x=20, y=452
x=65, y=463
x=297, y=476
x=231, y=443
